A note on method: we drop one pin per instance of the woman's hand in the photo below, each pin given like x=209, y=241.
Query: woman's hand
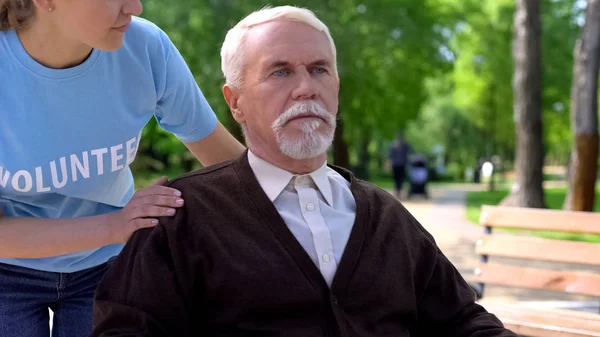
x=143, y=209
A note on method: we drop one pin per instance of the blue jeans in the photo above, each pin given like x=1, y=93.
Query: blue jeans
x=26, y=294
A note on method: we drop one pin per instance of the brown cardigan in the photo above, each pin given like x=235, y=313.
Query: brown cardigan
x=227, y=265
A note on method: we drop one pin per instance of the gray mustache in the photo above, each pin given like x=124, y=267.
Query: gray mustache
x=309, y=107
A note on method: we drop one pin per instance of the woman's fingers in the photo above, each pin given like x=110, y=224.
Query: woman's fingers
x=150, y=211
x=160, y=181
x=160, y=200
x=143, y=223
x=157, y=190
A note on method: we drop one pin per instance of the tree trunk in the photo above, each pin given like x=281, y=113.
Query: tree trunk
x=583, y=168
x=340, y=147
x=527, y=87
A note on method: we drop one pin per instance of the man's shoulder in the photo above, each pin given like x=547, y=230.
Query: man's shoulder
x=390, y=209
x=218, y=173
x=378, y=197
x=366, y=186
x=341, y=172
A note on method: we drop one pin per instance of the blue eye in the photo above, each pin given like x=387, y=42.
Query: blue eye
x=280, y=73
x=319, y=70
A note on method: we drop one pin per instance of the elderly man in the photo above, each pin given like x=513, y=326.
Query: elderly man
x=277, y=243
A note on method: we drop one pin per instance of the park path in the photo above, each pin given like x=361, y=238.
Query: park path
x=444, y=216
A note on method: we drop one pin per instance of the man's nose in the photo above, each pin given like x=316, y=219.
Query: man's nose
x=306, y=88
x=133, y=7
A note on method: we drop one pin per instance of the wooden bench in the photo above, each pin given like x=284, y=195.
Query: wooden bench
x=524, y=272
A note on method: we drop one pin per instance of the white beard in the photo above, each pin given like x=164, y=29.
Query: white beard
x=312, y=142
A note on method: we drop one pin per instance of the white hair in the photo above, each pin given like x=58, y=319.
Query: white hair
x=232, y=56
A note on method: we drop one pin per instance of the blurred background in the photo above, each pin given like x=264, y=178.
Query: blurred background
x=438, y=72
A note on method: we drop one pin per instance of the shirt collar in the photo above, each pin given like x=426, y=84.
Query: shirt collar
x=321, y=179
x=273, y=179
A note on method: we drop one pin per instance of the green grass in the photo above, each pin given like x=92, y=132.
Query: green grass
x=555, y=198
x=553, y=177
x=476, y=199
x=384, y=183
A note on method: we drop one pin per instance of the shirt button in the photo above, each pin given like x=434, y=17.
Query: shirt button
x=326, y=258
x=310, y=207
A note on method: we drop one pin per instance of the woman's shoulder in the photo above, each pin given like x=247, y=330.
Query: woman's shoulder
x=141, y=26
x=146, y=35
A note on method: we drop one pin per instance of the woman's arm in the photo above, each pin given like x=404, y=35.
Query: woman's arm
x=38, y=237
x=27, y=237
x=217, y=147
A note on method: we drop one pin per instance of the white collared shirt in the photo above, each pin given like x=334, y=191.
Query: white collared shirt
x=318, y=208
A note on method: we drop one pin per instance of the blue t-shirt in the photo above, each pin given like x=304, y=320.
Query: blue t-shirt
x=67, y=136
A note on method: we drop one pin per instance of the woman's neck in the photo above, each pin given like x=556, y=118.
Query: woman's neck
x=45, y=45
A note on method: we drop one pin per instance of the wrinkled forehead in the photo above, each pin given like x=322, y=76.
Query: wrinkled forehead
x=287, y=41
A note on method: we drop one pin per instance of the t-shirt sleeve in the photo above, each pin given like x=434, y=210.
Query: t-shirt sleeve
x=182, y=108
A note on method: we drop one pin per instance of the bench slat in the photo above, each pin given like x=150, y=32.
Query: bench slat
x=528, y=321
x=574, y=282
x=539, y=249
x=518, y=308
x=529, y=329
x=540, y=219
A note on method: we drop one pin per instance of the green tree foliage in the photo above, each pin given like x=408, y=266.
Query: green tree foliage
x=474, y=101
x=442, y=69
x=386, y=48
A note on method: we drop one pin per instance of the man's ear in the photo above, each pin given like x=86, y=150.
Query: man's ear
x=232, y=98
